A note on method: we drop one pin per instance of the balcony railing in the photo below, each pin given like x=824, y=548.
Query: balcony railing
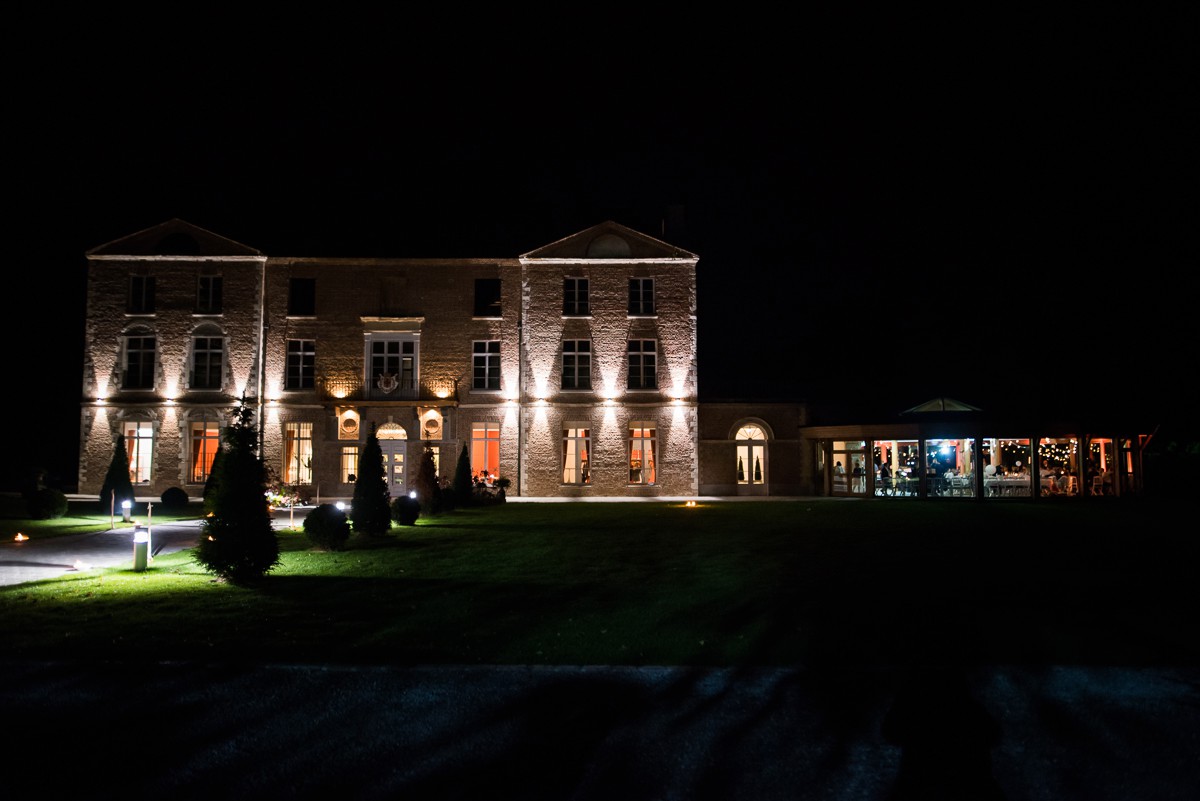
x=387, y=388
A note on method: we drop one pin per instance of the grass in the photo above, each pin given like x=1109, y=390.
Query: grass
x=83, y=517
x=774, y=583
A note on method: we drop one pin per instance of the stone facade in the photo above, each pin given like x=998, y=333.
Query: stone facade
x=778, y=464
x=326, y=348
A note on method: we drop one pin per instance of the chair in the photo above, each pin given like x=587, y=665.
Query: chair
x=1097, y=485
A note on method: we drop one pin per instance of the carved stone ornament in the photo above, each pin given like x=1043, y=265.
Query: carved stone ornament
x=387, y=383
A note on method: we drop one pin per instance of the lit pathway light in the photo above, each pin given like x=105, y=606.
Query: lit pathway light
x=141, y=548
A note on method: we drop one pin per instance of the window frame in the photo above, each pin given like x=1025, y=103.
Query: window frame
x=637, y=435
x=576, y=296
x=487, y=445
x=487, y=358
x=408, y=346
x=579, y=368
x=146, y=365
x=642, y=297
x=211, y=364
x=349, y=463
x=305, y=379
x=141, y=298
x=295, y=434
x=209, y=299
x=646, y=361
x=204, y=440
x=576, y=455
x=139, y=449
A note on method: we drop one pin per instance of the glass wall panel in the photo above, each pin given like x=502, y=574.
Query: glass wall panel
x=1058, y=466
x=1101, y=466
x=849, y=467
x=895, y=462
x=1006, y=472
x=950, y=468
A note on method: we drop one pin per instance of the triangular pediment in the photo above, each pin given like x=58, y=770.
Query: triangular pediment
x=174, y=238
x=943, y=405
x=609, y=240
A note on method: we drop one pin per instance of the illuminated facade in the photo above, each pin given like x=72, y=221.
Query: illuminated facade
x=570, y=370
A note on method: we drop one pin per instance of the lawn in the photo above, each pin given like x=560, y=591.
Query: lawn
x=732, y=583
x=83, y=517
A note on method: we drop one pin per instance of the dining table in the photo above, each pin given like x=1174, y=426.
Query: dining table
x=997, y=486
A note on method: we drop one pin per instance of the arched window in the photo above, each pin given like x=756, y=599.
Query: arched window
x=750, y=448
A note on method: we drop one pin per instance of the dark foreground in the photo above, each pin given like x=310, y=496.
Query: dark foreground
x=186, y=731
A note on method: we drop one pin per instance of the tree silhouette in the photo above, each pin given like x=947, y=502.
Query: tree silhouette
x=210, y=483
x=371, y=511
x=117, y=487
x=463, y=486
x=237, y=540
x=427, y=488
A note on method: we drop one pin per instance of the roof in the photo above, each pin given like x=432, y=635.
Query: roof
x=942, y=405
x=174, y=237
x=610, y=240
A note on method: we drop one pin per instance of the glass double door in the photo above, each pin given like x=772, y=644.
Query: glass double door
x=393, y=466
x=751, y=468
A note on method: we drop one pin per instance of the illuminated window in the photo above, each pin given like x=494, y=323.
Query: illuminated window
x=486, y=358
x=485, y=450
x=301, y=359
x=208, y=351
x=641, y=297
x=208, y=294
x=577, y=364
x=206, y=439
x=575, y=297
x=641, y=453
x=751, y=453
x=349, y=464
x=576, y=448
x=139, y=362
x=642, y=364
x=487, y=297
x=297, y=453
x=139, y=446
x=141, y=294
x=302, y=297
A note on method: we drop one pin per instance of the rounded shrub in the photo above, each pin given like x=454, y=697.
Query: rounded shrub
x=327, y=527
x=47, y=504
x=174, y=498
x=406, y=510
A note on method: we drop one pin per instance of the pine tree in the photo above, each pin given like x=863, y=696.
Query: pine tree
x=371, y=510
x=117, y=487
x=210, y=483
x=237, y=541
x=427, y=487
x=463, y=486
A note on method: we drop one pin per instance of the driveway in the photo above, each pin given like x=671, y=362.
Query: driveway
x=51, y=557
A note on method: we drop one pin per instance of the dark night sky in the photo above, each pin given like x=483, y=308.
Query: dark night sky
x=884, y=213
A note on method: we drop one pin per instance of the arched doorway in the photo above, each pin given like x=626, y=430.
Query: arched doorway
x=750, y=447
x=393, y=442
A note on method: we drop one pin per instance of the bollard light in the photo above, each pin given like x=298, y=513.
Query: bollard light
x=141, y=548
x=126, y=506
x=341, y=505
